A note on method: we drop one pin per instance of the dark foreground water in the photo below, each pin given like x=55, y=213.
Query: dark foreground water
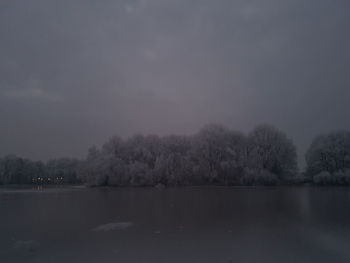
x=216, y=224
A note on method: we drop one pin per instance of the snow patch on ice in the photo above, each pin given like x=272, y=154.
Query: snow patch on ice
x=113, y=226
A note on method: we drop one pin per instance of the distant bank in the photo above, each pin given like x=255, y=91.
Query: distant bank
x=215, y=155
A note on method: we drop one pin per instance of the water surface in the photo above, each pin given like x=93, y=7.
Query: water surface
x=195, y=224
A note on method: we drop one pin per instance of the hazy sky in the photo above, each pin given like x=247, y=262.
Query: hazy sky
x=75, y=72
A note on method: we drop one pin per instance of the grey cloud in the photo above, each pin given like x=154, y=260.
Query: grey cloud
x=168, y=67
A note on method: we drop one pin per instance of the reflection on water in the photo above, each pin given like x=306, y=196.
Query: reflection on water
x=38, y=188
x=213, y=224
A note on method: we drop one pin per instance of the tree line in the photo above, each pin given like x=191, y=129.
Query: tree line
x=215, y=155
x=17, y=170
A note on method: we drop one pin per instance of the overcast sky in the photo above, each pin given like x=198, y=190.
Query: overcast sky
x=75, y=72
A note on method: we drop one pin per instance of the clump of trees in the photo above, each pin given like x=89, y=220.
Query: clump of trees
x=328, y=159
x=214, y=155
x=17, y=170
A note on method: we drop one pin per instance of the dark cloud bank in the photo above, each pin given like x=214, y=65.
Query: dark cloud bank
x=73, y=73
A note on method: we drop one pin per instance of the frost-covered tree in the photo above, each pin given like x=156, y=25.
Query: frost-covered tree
x=218, y=154
x=214, y=155
x=142, y=154
x=174, y=166
x=329, y=153
x=114, y=160
x=144, y=149
x=337, y=178
x=93, y=171
x=12, y=170
x=62, y=170
x=17, y=170
x=270, y=150
x=235, y=159
x=106, y=166
x=121, y=163
x=258, y=177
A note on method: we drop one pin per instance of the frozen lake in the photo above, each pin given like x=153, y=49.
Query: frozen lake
x=203, y=224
